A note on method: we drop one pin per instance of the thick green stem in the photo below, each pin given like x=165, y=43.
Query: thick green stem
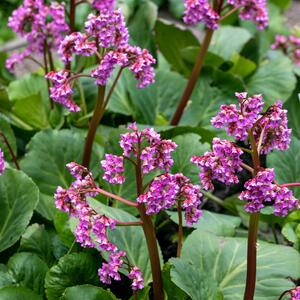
x=193, y=79
x=251, y=257
x=150, y=236
x=93, y=127
x=180, y=230
x=252, y=232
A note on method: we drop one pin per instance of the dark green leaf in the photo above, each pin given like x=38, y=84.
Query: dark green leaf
x=71, y=270
x=28, y=271
x=18, y=293
x=5, y=128
x=211, y=264
x=18, y=198
x=88, y=292
x=45, y=162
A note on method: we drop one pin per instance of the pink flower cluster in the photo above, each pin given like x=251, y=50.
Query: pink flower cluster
x=253, y=10
x=107, y=31
x=167, y=190
x=295, y=293
x=74, y=202
x=197, y=11
x=154, y=153
x=41, y=25
x=238, y=121
x=261, y=190
x=202, y=11
x=221, y=164
x=103, y=5
x=2, y=162
x=290, y=45
x=61, y=91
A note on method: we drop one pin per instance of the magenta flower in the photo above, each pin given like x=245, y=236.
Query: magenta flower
x=2, y=162
x=295, y=293
x=221, y=164
x=113, y=167
x=39, y=24
x=167, y=190
x=61, y=91
x=102, y=5
x=261, y=190
x=136, y=276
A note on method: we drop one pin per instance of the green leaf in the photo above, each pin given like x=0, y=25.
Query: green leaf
x=18, y=198
x=211, y=266
x=218, y=224
x=171, y=40
x=32, y=112
x=188, y=145
x=18, y=293
x=142, y=24
x=72, y=269
x=228, y=40
x=285, y=163
x=88, y=292
x=44, y=243
x=284, y=4
x=62, y=226
x=242, y=66
x=274, y=79
x=288, y=231
x=172, y=290
x=128, y=238
x=45, y=162
x=6, y=129
x=28, y=271
x=176, y=8
x=6, y=278
x=293, y=108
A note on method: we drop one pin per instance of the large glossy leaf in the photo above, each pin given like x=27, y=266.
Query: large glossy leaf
x=211, y=267
x=293, y=108
x=89, y=292
x=28, y=271
x=71, y=270
x=171, y=40
x=228, y=40
x=18, y=198
x=18, y=293
x=274, y=79
x=43, y=242
x=45, y=162
x=287, y=164
x=188, y=145
x=218, y=224
x=128, y=238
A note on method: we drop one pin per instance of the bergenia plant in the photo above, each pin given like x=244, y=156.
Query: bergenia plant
x=147, y=152
x=261, y=132
x=211, y=13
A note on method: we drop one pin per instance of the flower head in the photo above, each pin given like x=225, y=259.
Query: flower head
x=261, y=190
x=295, y=293
x=61, y=91
x=103, y=5
x=221, y=164
x=136, y=276
x=113, y=166
x=2, y=162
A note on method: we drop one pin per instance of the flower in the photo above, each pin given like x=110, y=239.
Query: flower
x=295, y=293
x=200, y=11
x=102, y=5
x=274, y=127
x=2, y=162
x=261, y=190
x=77, y=43
x=253, y=10
x=108, y=28
x=238, y=120
x=167, y=189
x=42, y=26
x=113, y=166
x=136, y=276
x=221, y=164
x=61, y=91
